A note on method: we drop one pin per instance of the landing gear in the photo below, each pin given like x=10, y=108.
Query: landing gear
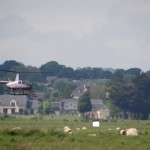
x=18, y=92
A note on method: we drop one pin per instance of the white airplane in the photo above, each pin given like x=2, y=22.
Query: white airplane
x=19, y=87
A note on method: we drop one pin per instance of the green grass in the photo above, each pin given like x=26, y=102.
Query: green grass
x=46, y=133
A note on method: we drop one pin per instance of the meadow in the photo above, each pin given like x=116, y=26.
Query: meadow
x=46, y=133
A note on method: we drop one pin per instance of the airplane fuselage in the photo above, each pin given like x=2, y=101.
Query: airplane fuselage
x=21, y=85
x=18, y=86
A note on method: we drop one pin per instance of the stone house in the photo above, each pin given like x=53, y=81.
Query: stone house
x=17, y=104
x=68, y=106
x=99, y=110
x=76, y=93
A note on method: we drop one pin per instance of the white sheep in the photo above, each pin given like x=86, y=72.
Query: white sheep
x=92, y=135
x=122, y=132
x=131, y=132
x=84, y=128
x=16, y=128
x=78, y=129
x=118, y=128
x=67, y=130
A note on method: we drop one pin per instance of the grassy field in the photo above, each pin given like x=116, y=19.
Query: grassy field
x=46, y=133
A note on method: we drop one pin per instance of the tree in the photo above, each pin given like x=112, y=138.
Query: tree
x=133, y=97
x=51, y=68
x=133, y=71
x=1, y=89
x=84, y=103
x=118, y=76
x=46, y=107
x=142, y=97
x=64, y=88
x=121, y=96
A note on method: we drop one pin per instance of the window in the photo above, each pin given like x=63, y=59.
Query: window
x=12, y=110
x=12, y=104
x=4, y=110
x=20, y=111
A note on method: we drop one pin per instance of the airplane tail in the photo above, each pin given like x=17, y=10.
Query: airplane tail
x=17, y=77
x=9, y=80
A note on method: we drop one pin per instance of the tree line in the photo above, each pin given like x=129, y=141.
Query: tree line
x=129, y=89
x=51, y=68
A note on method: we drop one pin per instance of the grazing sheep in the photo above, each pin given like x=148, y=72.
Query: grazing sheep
x=131, y=132
x=78, y=129
x=118, y=128
x=92, y=135
x=122, y=132
x=70, y=132
x=84, y=128
x=16, y=128
x=67, y=129
x=110, y=129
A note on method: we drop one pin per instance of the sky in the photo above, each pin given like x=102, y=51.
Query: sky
x=76, y=33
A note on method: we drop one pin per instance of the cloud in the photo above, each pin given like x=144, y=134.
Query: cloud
x=13, y=26
x=100, y=33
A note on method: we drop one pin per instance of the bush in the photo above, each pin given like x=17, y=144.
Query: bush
x=65, y=120
x=56, y=133
x=26, y=112
x=29, y=132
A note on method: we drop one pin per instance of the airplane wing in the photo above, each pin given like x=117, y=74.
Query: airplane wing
x=4, y=82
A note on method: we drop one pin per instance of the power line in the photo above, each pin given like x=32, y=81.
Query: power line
x=13, y=71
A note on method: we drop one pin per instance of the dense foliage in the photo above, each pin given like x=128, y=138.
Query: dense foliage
x=84, y=103
x=51, y=68
x=132, y=96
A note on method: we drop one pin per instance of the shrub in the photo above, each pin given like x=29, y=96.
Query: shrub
x=65, y=120
x=33, y=131
x=56, y=133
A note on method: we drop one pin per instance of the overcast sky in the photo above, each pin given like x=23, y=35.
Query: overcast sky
x=76, y=33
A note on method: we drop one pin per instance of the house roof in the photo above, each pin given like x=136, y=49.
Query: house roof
x=51, y=78
x=79, y=90
x=55, y=105
x=71, y=100
x=97, y=104
x=21, y=99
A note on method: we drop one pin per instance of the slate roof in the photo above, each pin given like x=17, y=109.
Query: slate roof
x=21, y=99
x=97, y=104
x=79, y=90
